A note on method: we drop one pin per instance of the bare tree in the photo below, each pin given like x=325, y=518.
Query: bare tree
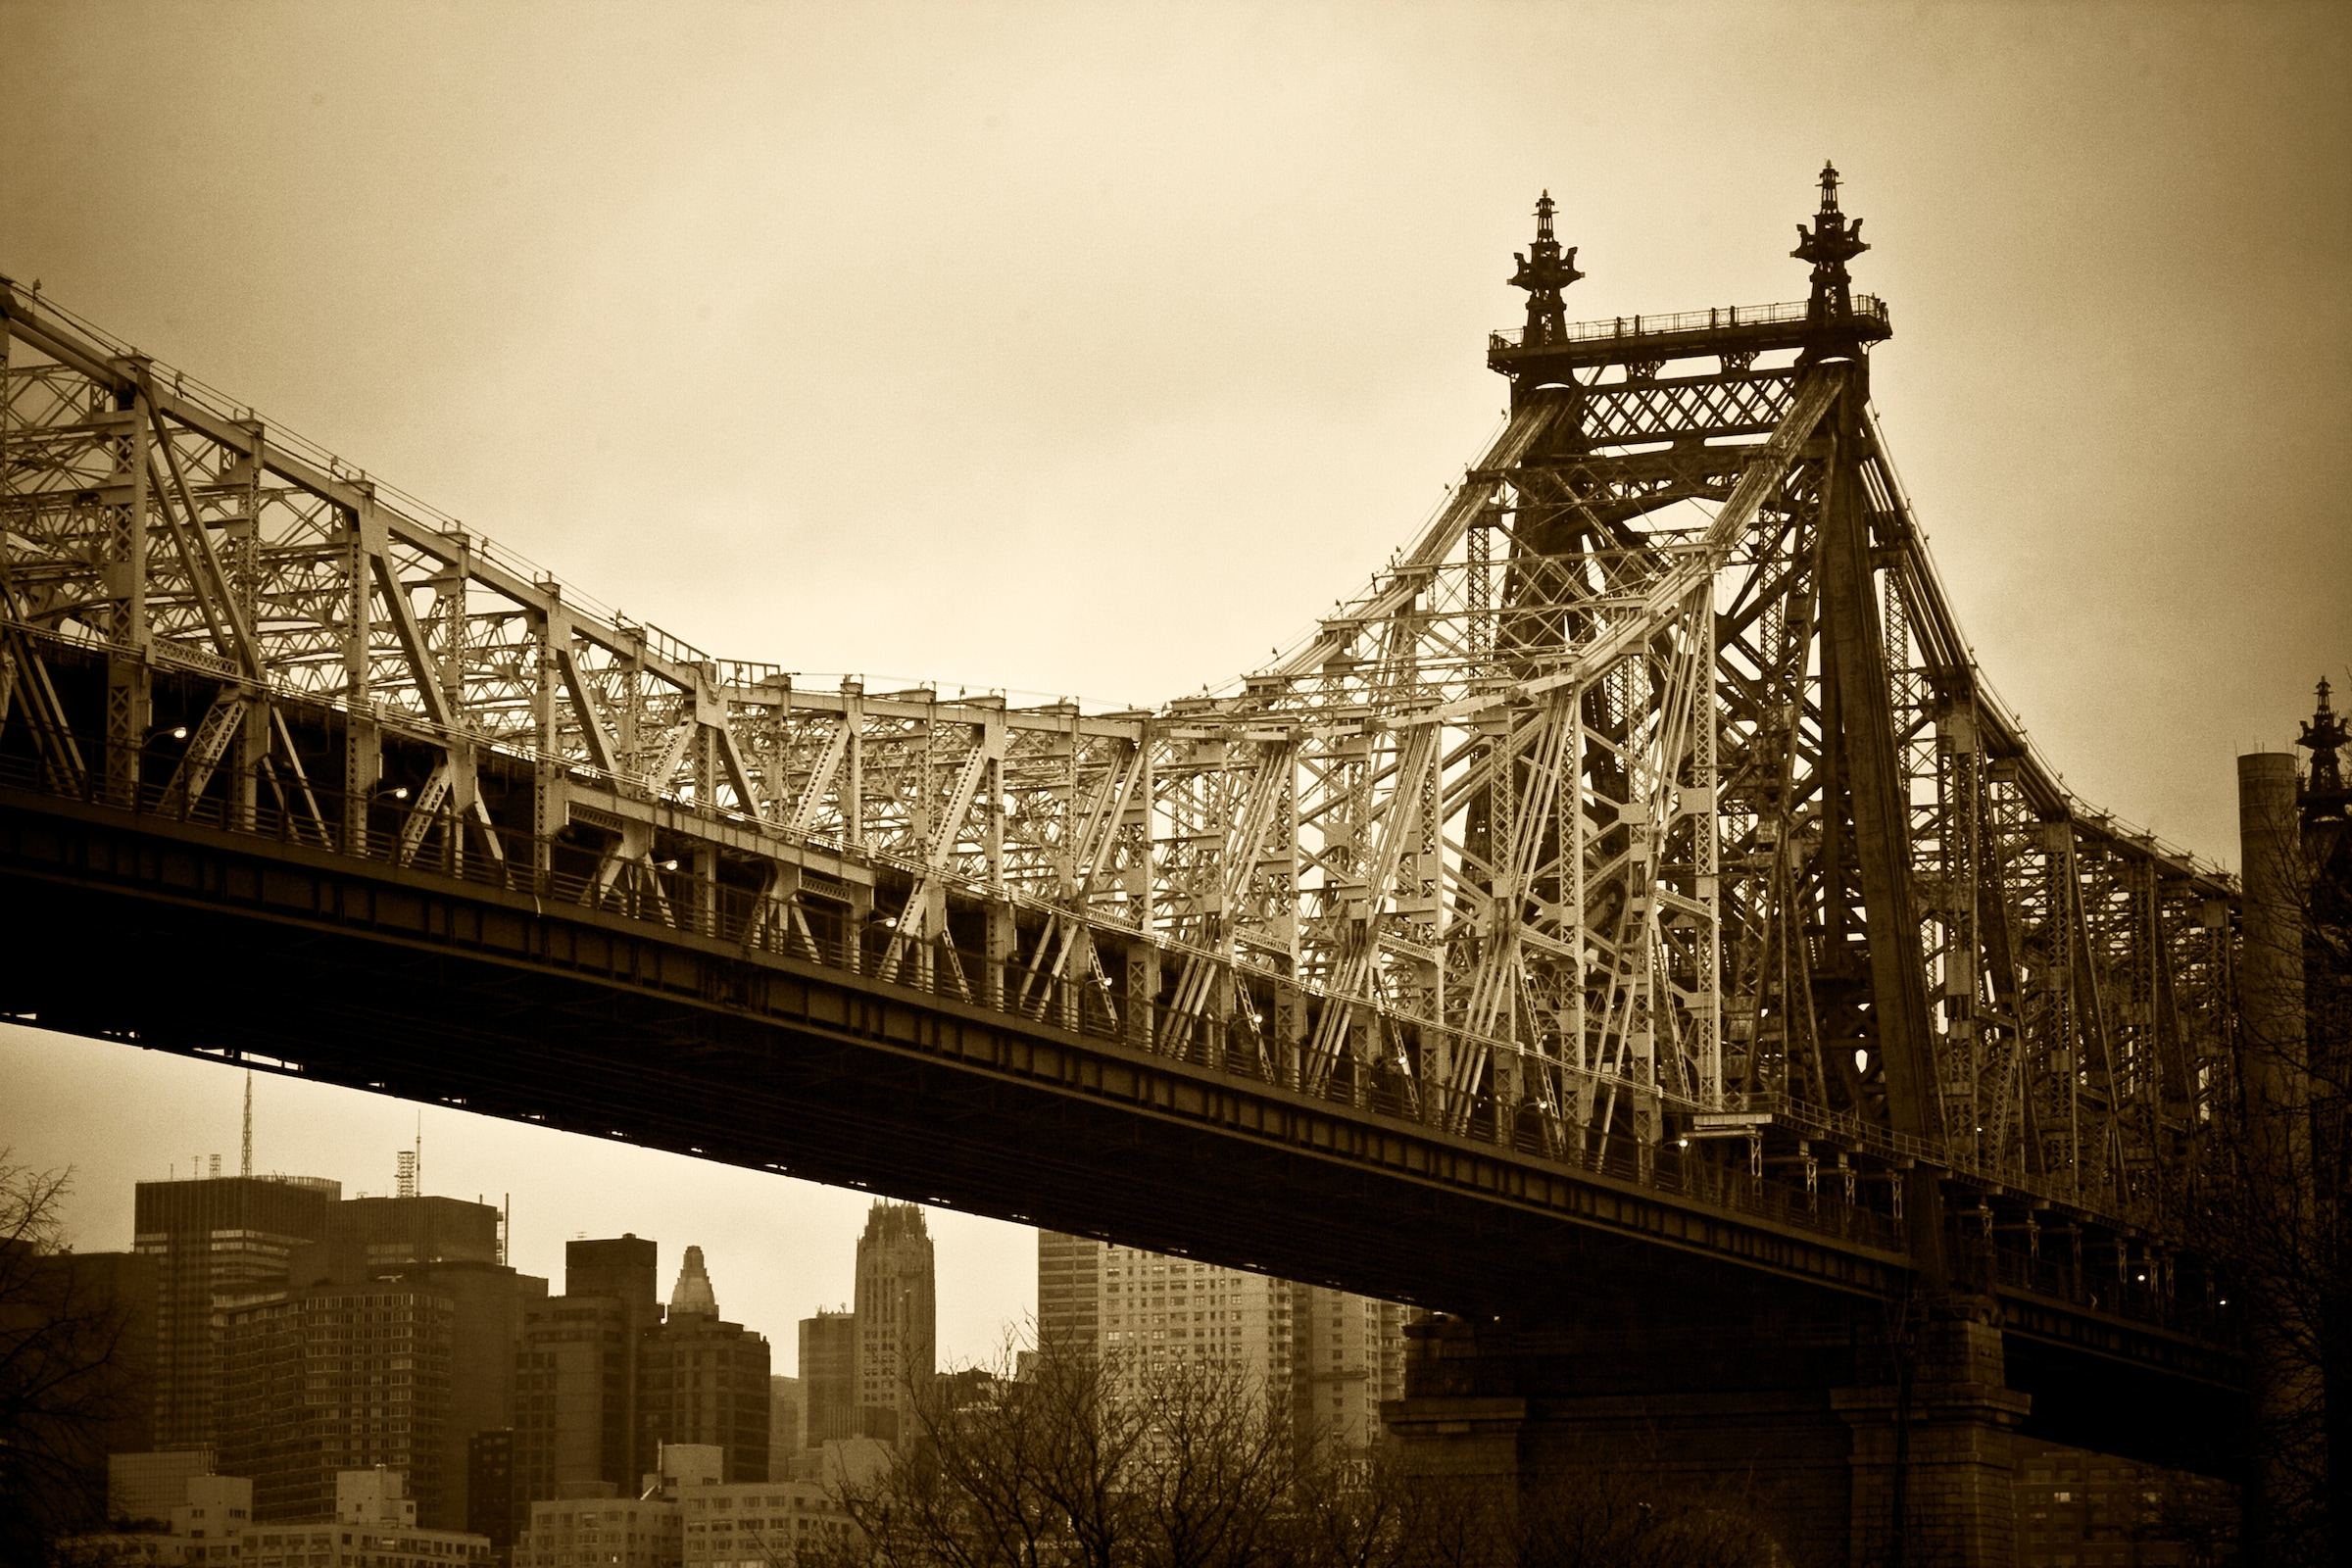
x=1066, y=1466
x=60, y=1378
x=1182, y=1466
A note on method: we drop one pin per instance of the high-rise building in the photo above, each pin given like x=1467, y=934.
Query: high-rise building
x=783, y=1426
x=215, y=1243
x=577, y=1375
x=828, y=1379
x=1332, y=1357
x=491, y=1301
x=897, y=1311
x=446, y=1249
x=330, y=1378
x=1346, y=1355
x=703, y=1381
x=1069, y=1291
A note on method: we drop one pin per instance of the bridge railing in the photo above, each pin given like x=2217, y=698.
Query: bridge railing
x=445, y=845
x=1787, y=312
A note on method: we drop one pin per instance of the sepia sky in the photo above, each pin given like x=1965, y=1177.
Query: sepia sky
x=1094, y=350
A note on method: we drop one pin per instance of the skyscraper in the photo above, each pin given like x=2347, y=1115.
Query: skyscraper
x=577, y=1375
x=828, y=1379
x=490, y=1302
x=1331, y=1356
x=330, y=1378
x=295, y=1405
x=703, y=1381
x=897, y=1312
x=1346, y=1355
x=215, y=1243
x=1069, y=1292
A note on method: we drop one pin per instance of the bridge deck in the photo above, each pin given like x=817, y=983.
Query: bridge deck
x=527, y=995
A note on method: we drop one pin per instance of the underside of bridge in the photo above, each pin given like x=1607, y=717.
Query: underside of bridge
x=1627, y=926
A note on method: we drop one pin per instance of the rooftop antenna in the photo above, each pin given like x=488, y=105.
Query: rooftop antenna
x=245, y=1165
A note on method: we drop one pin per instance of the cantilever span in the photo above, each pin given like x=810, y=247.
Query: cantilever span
x=1639, y=855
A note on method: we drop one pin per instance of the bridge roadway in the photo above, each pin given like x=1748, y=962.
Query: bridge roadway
x=493, y=988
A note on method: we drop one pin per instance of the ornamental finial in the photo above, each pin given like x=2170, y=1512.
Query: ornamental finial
x=1544, y=270
x=2325, y=735
x=1829, y=245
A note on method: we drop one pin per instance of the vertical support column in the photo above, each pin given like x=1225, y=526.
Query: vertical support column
x=992, y=816
x=1142, y=992
x=1290, y=1030
x=998, y=937
x=1962, y=843
x=853, y=937
x=465, y=792
x=1705, y=837
x=449, y=609
x=709, y=710
x=853, y=763
x=251, y=748
x=1001, y=939
x=362, y=755
x=130, y=680
x=549, y=808
x=1143, y=957
x=1856, y=663
x=1217, y=1010
x=1573, y=822
x=629, y=721
x=706, y=886
x=240, y=486
x=449, y=671
x=1139, y=814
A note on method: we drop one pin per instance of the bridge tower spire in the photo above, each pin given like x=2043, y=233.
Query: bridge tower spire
x=1831, y=243
x=2325, y=735
x=1544, y=270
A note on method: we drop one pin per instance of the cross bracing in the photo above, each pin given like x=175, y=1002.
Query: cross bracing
x=1651, y=797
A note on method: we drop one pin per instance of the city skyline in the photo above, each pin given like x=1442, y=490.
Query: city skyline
x=988, y=1267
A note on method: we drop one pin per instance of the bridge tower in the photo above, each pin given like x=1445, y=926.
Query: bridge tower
x=1867, y=1431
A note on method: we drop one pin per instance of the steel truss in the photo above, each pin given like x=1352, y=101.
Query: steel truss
x=1651, y=795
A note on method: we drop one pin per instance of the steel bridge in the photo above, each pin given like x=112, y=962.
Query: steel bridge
x=1637, y=875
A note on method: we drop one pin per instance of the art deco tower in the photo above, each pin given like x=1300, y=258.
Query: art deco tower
x=897, y=1317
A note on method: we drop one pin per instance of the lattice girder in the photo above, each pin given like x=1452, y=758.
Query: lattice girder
x=1550, y=832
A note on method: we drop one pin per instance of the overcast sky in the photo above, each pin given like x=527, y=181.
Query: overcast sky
x=1094, y=350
